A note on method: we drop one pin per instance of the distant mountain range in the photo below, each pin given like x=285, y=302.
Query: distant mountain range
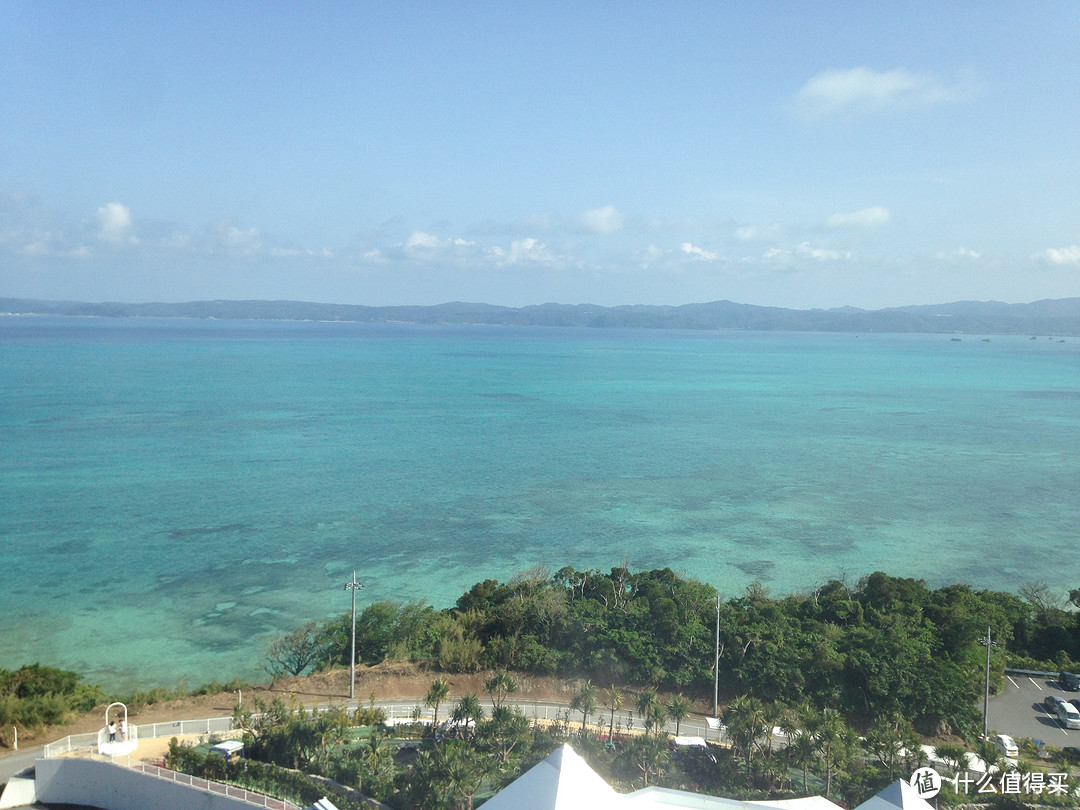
x=1051, y=317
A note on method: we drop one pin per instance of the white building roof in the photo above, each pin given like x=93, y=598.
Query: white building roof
x=897, y=795
x=564, y=781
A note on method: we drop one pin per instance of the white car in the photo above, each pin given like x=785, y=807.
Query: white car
x=1068, y=715
x=1006, y=745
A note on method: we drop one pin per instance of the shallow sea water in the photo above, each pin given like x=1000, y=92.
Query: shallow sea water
x=175, y=493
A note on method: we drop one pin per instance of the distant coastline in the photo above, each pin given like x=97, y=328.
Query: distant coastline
x=1059, y=317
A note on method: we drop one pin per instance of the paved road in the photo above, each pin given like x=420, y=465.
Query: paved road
x=18, y=761
x=1018, y=710
x=13, y=763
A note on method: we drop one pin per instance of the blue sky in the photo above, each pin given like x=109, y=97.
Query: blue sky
x=789, y=154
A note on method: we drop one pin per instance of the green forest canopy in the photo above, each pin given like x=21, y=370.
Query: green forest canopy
x=887, y=645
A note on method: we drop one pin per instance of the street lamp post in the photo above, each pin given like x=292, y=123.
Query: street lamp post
x=353, y=585
x=716, y=664
x=986, y=642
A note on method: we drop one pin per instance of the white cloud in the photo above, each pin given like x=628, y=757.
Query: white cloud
x=755, y=233
x=243, y=240
x=960, y=252
x=607, y=219
x=522, y=250
x=870, y=217
x=694, y=250
x=419, y=239
x=863, y=90
x=223, y=235
x=1067, y=255
x=38, y=248
x=820, y=254
x=809, y=251
x=421, y=243
x=114, y=224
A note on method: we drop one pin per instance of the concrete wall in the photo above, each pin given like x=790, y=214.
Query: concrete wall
x=114, y=787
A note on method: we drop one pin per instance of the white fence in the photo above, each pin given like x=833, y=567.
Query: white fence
x=177, y=728
x=230, y=791
x=397, y=712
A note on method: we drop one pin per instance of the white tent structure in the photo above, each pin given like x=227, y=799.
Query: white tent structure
x=564, y=781
x=897, y=796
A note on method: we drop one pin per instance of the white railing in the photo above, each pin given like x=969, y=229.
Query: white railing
x=396, y=712
x=178, y=728
x=72, y=742
x=233, y=792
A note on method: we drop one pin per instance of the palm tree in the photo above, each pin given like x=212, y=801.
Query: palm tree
x=650, y=754
x=773, y=715
x=439, y=691
x=498, y=686
x=836, y=742
x=648, y=705
x=376, y=752
x=989, y=753
x=802, y=753
x=584, y=701
x=468, y=711
x=614, y=703
x=678, y=709
x=463, y=768
x=745, y=720
x=952, y=755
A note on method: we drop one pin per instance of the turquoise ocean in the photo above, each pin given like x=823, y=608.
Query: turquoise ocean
x=175, y=493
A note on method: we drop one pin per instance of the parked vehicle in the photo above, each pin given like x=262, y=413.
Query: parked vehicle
x=1070, y=681
x=1051, y=703
x=1006, y=745
x=1068, y=715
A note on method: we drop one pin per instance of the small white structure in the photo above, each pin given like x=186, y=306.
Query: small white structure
x=117, y=738
x=227, y=749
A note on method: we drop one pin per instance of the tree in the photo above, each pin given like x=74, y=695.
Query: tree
x=954, y=756
x=615, y=701
x=498, y=686
x=447, y=776
x=439, y=691
x=463, y=769
x=468, y=711
x=585, y=701
x=649, y=708
x=678, y=709
x=895, y=744
x=506, y=729
x=745, y=721
x=649, y=754
x=837, y=744
x=801, y=752
x=293, y=652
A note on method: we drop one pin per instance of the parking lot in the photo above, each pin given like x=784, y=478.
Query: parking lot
x=1018, y=710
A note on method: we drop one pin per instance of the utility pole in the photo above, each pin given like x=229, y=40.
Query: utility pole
x=716, y=664
x=986, y=642
x=353, y=585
